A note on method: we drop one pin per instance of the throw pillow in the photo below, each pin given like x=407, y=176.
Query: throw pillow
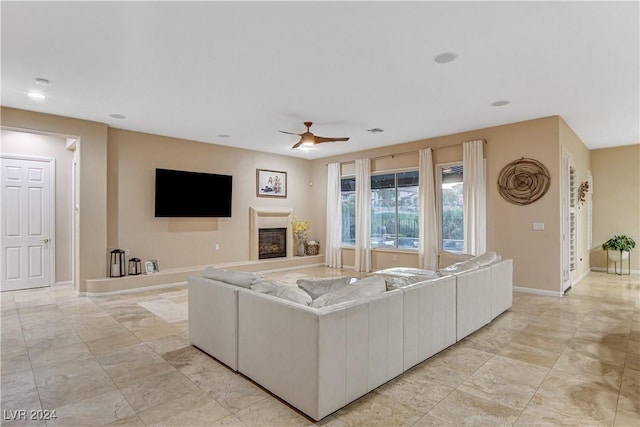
x=460, y=267
x=446, y=258
x=290, y=293
x=319, y=287
x=237, y=278
x=264, y=286
x=487, y=258
x=366, y=287
x=397, y=282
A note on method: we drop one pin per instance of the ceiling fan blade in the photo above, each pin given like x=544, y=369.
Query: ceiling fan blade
x=297, y=144
x=290, y=133
x=321, y=139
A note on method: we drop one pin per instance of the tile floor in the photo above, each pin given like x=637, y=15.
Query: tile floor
x=126, y=360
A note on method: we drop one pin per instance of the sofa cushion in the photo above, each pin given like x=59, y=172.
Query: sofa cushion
x=321, y=286
x=366, y=287
x=446, y=258
x=290, y=293
x=486, y=258
x=237, y=278
x=400, y=277
x=460, y=267
x=264, y=286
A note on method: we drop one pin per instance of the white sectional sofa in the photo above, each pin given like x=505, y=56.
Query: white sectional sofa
x=321, y=359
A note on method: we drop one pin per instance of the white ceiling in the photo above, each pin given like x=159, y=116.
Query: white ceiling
x=196, y=70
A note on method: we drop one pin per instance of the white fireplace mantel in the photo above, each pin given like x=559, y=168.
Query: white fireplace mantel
x=269, y=218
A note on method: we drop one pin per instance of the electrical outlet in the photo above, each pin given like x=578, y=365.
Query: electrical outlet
x=394, y=257
x=217, y=246
x=538, y=226
x=127, y=252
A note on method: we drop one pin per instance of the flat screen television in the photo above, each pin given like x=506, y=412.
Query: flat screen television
x=192, y=194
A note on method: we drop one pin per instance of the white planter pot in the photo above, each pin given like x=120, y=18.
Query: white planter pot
x=617, y=256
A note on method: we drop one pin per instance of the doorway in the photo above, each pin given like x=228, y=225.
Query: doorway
x=19, y=262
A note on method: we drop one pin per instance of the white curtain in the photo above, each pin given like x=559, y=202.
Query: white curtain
x=333, y=250
x=475, y=198
x=363, y=215
x=428, y=253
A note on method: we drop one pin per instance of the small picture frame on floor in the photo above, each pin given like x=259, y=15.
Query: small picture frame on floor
x=151, y=266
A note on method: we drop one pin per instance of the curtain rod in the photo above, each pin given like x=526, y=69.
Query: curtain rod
x=409, y=152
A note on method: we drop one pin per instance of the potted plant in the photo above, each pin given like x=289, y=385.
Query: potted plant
x=618, y=247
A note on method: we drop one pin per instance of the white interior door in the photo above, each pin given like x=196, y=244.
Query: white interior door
x=27, y=218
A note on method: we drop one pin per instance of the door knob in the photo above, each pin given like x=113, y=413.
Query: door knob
x=46, y=241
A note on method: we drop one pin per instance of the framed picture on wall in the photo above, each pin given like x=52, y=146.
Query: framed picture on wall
x=271, y=183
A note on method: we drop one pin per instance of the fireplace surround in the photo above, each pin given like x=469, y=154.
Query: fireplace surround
x=269, y=218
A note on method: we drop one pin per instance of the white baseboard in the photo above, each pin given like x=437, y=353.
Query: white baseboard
x=536, y=291
x=604, y=270
x=131, y=291
x=65, y=283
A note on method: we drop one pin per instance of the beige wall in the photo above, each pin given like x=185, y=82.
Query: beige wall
x=92, y=161
x=52, y=147
x=118, y=166
x=182, y=242
x=536, y=254
x=616, y=200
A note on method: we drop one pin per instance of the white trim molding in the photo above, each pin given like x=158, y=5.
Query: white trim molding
x=535, y=291
x=604, y=270
x=65, y=283
x=132, y=291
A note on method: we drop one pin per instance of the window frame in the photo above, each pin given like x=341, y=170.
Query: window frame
x=386, y=172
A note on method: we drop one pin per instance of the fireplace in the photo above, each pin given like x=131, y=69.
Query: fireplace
x=272, y=243
x=260, y=218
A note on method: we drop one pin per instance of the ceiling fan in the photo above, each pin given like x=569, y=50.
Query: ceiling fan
x=308, y=139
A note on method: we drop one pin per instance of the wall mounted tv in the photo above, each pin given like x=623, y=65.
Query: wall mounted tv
x=192, y=194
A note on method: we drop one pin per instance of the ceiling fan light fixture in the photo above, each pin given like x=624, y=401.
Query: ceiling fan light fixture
x=308, y=139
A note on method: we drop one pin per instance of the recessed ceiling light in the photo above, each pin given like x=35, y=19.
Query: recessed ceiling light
x=117, y=116
x=36, y=95
x=223, y=135
x=445, y=57
x=42, y=82
x=499, y=103
x=375, y=130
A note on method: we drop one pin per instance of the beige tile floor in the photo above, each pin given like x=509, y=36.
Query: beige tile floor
x=126, y=360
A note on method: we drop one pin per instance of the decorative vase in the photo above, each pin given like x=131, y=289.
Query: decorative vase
x=300, y=247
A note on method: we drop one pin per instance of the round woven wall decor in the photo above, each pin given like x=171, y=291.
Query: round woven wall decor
x=523, y=181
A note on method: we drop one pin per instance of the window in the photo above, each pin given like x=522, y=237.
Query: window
x=394, y=210
x=451, y=203
x=348, y=194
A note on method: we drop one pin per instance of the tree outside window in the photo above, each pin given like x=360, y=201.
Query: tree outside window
x=452, y=213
